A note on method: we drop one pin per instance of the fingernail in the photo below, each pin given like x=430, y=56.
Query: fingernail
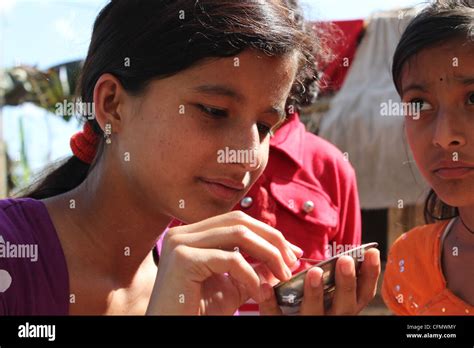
x=347, y=267
x=291, y=255
x=298, y=250
x=316, y=280
x=296, y=265
x=374, y=259
x=288, y=272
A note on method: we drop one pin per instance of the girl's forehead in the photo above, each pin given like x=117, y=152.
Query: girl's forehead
x=450, y=60
x=446, y=51
x=247, y=65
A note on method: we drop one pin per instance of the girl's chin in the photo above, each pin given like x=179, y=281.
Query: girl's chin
x=197, y=216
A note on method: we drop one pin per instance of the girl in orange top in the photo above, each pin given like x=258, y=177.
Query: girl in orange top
x=430, y=269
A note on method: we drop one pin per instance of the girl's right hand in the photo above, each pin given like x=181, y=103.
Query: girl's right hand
x=201, y=271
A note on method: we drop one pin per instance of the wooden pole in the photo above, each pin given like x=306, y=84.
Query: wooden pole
x=403, y=220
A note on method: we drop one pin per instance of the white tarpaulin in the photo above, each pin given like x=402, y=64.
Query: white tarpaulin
x=375, y=144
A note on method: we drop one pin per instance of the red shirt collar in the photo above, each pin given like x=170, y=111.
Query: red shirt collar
x=289, y=139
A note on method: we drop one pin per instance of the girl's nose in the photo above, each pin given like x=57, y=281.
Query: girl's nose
x=448, y=131
x=249, y=149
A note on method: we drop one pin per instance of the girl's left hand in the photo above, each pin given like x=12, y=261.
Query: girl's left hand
x=353, y=293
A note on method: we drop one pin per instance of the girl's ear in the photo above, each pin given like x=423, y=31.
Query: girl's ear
x=108, y=95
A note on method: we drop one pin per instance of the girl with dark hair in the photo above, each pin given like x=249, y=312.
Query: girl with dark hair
x=430, y=269
x=173, y=84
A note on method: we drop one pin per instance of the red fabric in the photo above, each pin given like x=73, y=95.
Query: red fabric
x=84, y=144
x=344, y=47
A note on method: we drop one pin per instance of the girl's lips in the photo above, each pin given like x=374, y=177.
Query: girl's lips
x=454, y=173
x=221, y=191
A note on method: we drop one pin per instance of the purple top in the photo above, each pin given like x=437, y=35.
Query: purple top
x=34, y=278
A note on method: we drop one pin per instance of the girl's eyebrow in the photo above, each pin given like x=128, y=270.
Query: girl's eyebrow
x=413, y=86
x=465, y=80
x=220, y=90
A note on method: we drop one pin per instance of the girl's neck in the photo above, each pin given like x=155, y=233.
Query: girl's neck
x=109, y=227
x=465, y=225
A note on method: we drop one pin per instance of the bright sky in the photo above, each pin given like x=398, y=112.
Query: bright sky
x=48, y=32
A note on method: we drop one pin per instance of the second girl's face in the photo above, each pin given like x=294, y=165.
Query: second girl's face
x=200, y=138
x=440, y=80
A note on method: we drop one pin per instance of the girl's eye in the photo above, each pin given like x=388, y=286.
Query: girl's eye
x=216, y=113
x=264, y=129
x=470, y=98
x=421, y=105
x=219, y=113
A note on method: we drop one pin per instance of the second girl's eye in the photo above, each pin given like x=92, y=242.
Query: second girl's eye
x=470, y=98
x=214, y=112
x=421, y=104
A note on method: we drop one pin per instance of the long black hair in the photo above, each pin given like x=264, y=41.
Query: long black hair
x=141, y=40
x=441, y=21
